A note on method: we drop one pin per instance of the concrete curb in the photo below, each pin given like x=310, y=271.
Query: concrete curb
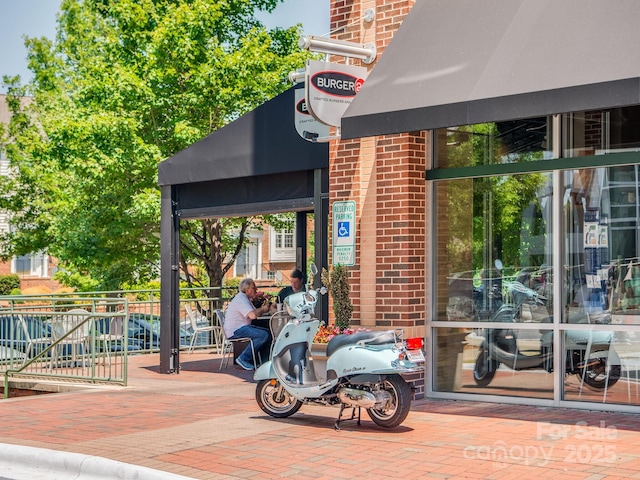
x=18, y=462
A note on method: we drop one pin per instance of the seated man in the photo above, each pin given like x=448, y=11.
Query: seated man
x=297, y=285
x=237, y=323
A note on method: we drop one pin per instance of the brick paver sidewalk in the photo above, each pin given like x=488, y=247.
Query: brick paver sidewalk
x=207, y=425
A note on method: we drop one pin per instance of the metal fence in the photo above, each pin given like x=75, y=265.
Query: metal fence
x=86, y=338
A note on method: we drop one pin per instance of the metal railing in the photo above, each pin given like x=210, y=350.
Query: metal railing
x=84, y=340
x=36, y=343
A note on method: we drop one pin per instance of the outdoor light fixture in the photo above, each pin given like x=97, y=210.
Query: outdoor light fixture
x=367, y=53
x=369, y=15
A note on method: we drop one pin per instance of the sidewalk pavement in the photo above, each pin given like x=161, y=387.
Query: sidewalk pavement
x=206, y=424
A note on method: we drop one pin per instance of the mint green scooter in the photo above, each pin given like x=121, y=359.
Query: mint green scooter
x=363, y=370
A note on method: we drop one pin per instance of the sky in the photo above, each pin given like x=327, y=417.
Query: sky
x=37, y=18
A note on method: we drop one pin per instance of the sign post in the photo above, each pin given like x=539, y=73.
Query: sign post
x=344, y=233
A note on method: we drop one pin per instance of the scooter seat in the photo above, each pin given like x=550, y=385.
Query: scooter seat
x=371, y=338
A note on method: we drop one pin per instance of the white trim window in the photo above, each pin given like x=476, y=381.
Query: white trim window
x=282, y=247
x=248, y=263
x=33, y=265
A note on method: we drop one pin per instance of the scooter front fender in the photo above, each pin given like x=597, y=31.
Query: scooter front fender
x=265, y=372
x=301, y=392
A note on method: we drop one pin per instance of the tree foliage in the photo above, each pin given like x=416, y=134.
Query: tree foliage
x=506, y=220
x=126, y=84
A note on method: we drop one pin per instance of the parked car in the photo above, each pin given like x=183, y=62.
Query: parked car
x=29, y=335
x=10, y=355
x=143, y=332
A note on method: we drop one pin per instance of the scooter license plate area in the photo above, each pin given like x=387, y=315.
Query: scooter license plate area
x=415, y=356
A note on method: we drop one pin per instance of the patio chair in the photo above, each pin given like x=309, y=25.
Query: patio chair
x=114, y=336
x=228, y=344
x=198, y=329
x=34, y=335
x=71, y=330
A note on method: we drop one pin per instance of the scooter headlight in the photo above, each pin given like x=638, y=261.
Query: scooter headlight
x=301, y=303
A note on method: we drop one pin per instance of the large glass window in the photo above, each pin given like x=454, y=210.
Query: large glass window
x=513, y=283
x=494, y=143
x=494, y=255
x=602, y=284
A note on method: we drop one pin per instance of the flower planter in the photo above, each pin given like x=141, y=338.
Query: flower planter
x=319, y=350
x=319, y=359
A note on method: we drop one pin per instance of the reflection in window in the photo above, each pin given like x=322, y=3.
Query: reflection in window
x=494, y=143
x=602, y=245
x=602, y=131
x=494, y=361
x=493, y=258
x=493, y=264
x=481, y=251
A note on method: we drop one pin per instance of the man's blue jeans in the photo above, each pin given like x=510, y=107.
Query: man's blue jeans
x=261, y=342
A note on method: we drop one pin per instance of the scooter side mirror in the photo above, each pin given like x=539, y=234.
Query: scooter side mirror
x=314, y=272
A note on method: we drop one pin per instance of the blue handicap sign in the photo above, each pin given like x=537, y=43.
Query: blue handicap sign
x=343, y=229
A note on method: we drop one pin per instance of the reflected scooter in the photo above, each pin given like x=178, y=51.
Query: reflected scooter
x=363, y=370
x=589, y=354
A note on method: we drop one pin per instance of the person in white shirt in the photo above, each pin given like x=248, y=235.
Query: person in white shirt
x=237, y=323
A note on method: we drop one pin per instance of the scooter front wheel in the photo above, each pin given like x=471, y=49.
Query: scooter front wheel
x=274, y=399
x=485, y=369
x=396, y=409
x=600, y=374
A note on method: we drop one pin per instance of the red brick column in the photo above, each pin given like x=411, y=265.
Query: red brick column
x=385, y=177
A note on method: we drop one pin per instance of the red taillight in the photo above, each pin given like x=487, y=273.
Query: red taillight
x=414, y=343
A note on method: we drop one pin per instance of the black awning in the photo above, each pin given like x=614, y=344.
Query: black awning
x=255, y=165
x=460, y=62
x=262, y=142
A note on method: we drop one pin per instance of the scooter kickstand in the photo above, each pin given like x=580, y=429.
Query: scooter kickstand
x=353, y=416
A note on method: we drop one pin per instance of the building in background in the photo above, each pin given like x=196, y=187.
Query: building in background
x=37, y=269
x=496, y=179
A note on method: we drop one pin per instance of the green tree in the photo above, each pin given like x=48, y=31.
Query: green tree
x=126, y=84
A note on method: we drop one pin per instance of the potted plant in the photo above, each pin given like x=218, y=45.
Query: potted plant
x=327, y=332
x=337, y=282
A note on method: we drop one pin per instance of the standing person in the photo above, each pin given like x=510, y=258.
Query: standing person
x=297, y=285
x=237, y=323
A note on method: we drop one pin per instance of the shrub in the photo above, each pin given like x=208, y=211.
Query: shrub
x=9, y=283
x=337, y=282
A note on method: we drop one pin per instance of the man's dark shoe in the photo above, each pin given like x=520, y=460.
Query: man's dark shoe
x=246, y=366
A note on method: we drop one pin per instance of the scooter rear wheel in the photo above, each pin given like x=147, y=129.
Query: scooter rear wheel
x=397, y=409
x=484, y=369
x=274, y=400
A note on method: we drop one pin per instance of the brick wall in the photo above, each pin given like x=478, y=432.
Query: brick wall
x=385, y=177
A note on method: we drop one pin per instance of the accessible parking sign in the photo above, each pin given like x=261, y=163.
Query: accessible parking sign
x=344, y=233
